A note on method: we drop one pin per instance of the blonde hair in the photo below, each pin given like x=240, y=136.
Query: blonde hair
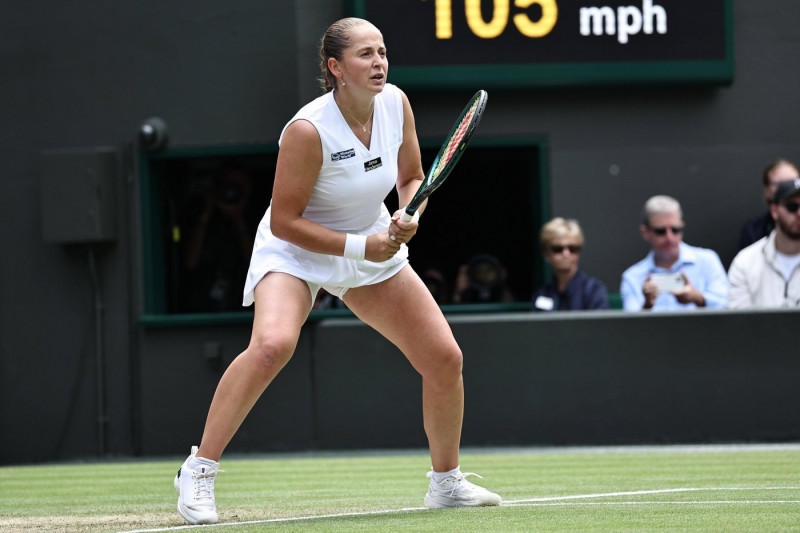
x=559, y=228
x=333, y=44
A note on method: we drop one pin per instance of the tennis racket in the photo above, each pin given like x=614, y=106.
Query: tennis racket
x=450, y=152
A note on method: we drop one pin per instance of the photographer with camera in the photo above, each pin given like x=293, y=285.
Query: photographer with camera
x=673, y=276
x=217, y=251
x=482, y=280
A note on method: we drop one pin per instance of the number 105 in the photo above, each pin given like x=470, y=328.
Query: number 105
x=499, y=20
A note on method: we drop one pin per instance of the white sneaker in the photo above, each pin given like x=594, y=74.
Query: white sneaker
x=195, y=488
x=456, y=491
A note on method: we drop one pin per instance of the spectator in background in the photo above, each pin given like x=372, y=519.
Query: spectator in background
x=761, y=226
x=433, y=278
x=570, y=289
x=220, y=230
x=696, y=276
x=482, y=280
x=326, y=301
x=767, y=273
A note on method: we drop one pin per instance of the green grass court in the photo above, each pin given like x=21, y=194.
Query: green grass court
x=672, y=488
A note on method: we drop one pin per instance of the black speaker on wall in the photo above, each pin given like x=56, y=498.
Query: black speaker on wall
x=79, y=195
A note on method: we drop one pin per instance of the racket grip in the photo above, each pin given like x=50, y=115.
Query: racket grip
x=406, y=217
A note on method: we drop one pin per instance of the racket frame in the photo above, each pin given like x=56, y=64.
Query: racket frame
x=434, y=180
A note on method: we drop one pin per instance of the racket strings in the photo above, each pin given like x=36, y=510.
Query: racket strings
x=452, y=145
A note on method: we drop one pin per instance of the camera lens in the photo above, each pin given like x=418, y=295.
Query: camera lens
x=230, y=192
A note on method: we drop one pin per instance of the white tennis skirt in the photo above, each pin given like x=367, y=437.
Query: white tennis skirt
x=271, y=254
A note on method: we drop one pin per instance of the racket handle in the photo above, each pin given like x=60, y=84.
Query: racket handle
x=406, y=217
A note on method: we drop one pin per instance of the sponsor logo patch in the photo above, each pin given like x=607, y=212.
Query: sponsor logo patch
x=372, y=164
x=345, y=154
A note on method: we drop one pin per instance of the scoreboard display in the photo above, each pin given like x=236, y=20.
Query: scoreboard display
x=530, y=43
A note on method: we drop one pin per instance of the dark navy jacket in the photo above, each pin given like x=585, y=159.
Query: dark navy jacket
x=581, y=293
x=755, y=229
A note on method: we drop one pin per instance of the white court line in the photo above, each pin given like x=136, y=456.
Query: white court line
x=549, y=501
x=654, y=502
x=640, y=492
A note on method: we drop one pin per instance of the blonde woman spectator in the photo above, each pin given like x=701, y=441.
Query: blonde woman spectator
x=570, y=288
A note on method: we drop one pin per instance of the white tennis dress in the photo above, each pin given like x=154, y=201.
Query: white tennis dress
x=348, y=197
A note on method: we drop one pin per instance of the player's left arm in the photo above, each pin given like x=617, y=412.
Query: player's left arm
x=409, y=174
x=409, y=161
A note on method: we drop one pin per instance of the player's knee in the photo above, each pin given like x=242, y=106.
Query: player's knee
x=455, y=361
x=449, y=365
x=270, y=353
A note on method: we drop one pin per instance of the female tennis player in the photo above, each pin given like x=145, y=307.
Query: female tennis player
x=327, y=226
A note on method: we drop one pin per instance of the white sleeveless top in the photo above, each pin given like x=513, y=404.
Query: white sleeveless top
x=348, y=196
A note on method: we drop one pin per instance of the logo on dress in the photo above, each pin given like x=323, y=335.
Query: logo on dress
x=345, y=154
x=372, y=164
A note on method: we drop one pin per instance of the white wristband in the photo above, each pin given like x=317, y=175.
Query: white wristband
x=355, y=247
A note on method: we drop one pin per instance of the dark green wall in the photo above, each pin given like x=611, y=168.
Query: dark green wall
x=87, y=73
x=569, y=379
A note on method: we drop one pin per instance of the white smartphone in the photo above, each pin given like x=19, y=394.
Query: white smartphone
x=668, y=282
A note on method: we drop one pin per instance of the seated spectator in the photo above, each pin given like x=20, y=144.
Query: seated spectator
x=482, y=280
x=325, y=301
x=219, y=227
x=757, y=228
x=698, y=271
x=570, y=288
x=436, y=283
x=767, y=273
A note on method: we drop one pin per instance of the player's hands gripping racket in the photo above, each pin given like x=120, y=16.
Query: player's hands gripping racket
x=450, y=152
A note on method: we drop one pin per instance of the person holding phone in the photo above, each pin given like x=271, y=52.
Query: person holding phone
x=674, y=275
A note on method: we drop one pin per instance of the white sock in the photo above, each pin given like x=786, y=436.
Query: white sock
x=195, y=461
x=438, y=477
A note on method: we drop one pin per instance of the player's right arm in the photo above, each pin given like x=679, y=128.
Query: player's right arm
x=296, y=171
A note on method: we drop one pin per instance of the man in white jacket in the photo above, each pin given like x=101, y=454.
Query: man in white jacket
x=766, y=274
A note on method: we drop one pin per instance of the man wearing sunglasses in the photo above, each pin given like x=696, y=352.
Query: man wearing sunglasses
x=776, y=172
x=767, y=273
x=673, y=276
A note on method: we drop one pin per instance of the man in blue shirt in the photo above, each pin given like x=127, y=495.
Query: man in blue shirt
x=694, y=277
